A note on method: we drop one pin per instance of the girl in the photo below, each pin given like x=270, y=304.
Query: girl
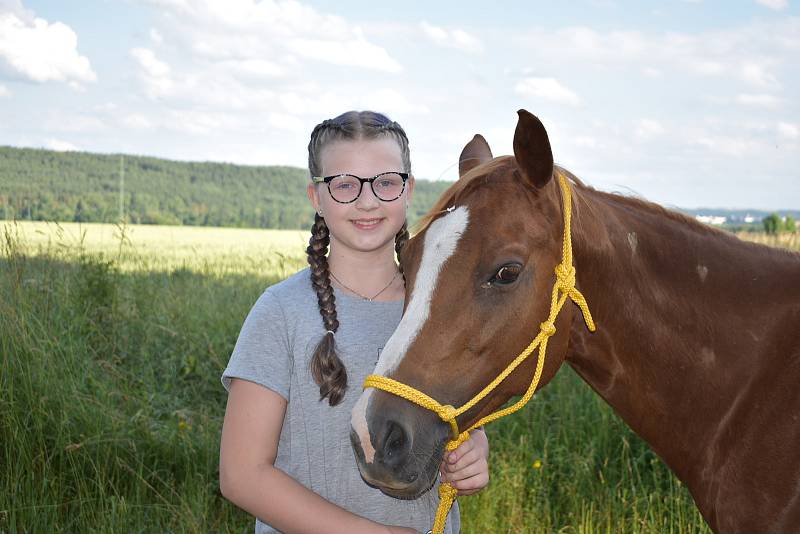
x=292, y=379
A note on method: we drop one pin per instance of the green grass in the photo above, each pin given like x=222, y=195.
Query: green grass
x=111, y=405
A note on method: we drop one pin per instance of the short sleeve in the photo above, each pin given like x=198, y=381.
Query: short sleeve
x=262, y=353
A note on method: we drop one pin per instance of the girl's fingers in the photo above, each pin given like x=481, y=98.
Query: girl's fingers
x=468, y=458
x=467, y=472
x=473, y=484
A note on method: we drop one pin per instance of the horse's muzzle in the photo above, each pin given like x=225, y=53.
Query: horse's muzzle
x=408, y=450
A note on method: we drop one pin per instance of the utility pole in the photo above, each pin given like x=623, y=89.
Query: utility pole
x=121, y=188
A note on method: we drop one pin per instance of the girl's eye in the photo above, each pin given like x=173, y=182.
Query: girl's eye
x=505, y=275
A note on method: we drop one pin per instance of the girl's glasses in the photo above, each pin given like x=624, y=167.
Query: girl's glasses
x=346, y=188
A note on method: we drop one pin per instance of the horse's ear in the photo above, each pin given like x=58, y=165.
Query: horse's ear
x=475, y=153
x=532, y=149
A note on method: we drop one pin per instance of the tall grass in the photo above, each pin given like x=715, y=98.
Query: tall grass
x=788, y=240
x=111, y=407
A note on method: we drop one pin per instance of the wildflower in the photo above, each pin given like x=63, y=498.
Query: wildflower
x=537, y=464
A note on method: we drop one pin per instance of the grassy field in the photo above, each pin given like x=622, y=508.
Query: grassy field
x=112, y=341
x=153, y=248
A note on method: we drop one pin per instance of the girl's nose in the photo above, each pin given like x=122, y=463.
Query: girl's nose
x=367, y=199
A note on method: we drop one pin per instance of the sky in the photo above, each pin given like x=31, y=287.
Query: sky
x=688, y=103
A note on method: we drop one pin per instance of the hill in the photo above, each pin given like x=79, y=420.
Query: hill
x=45, y=185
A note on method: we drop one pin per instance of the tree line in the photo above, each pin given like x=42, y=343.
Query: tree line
x=775, y=224
x=45, y=185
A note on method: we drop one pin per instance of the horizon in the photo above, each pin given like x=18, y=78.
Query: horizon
x=792, y=211
x=686, y=104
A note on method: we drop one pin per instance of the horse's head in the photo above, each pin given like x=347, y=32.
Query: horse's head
x=479, y=277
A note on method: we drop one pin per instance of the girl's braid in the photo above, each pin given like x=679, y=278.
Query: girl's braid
x=399, y=242
x=327, y=368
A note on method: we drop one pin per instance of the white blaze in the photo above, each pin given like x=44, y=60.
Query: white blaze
x=440, y=243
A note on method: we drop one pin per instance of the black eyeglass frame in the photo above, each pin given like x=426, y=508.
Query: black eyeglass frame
x=361, y=181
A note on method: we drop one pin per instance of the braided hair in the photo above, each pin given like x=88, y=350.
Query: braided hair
x=326, y=367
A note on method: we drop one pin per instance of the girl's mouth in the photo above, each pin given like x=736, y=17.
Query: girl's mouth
x=366, y=224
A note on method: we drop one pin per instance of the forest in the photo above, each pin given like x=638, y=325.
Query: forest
x=45, y=185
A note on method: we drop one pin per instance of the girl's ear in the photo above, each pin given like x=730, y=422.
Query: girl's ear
x=313, y=196
x=409, y=188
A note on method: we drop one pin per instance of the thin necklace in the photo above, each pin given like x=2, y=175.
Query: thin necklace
x=373, y=297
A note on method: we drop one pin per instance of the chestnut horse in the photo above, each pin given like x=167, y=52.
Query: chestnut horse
x=697, y=345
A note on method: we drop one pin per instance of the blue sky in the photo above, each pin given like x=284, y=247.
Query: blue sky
x=686, y=103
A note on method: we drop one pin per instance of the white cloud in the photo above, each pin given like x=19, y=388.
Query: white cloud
x=728, y=145
x=151, y=65
x=547, y=89
x=255, y=68
x=762, y=100
x=777, y=5
x=648, y=128
x=756, y=54
x=285, y=121
x=60, y=146
x=137, y=121
x=789, y=130
x=41, y=52
x=585, y=141
x=356, y=52
x=154, y=72
x=392, y=102
x=756, y=74
x=156, y=36
x=59, y=121
x=4, y=91
x=15, y=7
x=201, y=122
x=250, y=29
x=452, y=38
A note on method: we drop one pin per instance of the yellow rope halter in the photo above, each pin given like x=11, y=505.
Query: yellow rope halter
x=563, y=288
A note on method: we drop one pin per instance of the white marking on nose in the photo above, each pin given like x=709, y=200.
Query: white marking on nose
x=702, y=272
x=633, y=241
x=440, y=243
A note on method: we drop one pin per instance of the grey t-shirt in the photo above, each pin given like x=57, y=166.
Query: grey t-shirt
x=274, y=349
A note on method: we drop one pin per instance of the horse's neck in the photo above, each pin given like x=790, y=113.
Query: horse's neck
x=683, y=314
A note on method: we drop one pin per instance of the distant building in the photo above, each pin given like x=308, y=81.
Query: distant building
x=715, y=220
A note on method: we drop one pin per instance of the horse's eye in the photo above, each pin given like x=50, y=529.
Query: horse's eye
x=507, y=273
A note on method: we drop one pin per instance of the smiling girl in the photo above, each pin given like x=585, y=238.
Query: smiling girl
x=309, y=341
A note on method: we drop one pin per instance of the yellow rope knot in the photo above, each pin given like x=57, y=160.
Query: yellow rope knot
x=548, y=328
x=448, y=414
x=565, y=275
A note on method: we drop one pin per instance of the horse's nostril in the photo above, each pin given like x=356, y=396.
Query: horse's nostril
x=396, y=445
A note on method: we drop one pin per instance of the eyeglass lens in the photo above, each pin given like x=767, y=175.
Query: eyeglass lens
x=346, y=188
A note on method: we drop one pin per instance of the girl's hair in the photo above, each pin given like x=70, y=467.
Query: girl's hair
x=326, y=367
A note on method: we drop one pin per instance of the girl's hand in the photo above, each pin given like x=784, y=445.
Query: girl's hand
x=467, y=467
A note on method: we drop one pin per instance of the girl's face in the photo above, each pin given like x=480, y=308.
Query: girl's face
x=368, y=223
